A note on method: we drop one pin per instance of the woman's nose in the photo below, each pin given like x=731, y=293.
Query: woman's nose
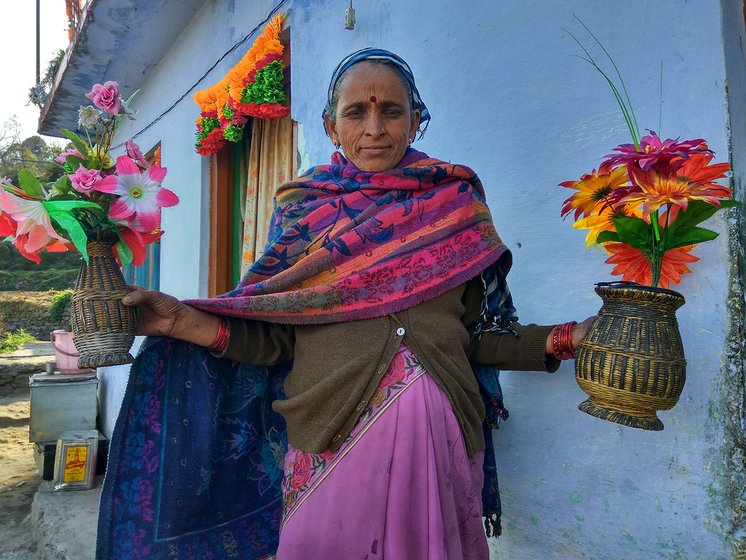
x=374, y=124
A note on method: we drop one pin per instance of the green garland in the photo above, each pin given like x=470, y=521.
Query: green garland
x=267, y=86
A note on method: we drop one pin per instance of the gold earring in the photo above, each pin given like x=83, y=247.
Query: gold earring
x=383, y=130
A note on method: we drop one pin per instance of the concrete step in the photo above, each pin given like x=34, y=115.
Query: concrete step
x=65, y=522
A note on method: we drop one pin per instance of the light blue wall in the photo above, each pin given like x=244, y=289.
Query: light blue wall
x=510, y=98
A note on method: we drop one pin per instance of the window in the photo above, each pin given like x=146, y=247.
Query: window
x=147, y=275
x=244, y=177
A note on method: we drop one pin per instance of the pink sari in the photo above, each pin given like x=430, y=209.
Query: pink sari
x=401, y=487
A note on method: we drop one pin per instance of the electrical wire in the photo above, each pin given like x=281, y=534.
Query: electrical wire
x=240, y=42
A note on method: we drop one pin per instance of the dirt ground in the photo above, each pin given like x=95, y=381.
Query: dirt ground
x=19, y=478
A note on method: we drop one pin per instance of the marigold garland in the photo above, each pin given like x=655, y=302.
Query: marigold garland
x=252, y=88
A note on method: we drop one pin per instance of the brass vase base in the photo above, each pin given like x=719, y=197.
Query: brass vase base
x=649, y=422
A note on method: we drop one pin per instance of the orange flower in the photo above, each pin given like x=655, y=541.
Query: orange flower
x=659, y=190
x=266, y=47
x=696, y=169
x=593, y=188
x=633, y=266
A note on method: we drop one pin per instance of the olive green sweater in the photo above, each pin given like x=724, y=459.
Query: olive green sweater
x=337, y=367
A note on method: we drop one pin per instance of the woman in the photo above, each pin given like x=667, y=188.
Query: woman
x=383, y=286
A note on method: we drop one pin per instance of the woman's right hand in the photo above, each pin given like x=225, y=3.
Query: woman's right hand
x=158, y=314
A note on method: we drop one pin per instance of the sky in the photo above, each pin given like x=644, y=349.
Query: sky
x=18, y=54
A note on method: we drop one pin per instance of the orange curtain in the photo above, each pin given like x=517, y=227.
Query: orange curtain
x=270, y=164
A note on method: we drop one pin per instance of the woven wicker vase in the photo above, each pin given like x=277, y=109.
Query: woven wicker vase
x=631, y=362
x=103, y=328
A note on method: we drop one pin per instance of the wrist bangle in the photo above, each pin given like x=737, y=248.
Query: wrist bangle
x=220, y=343
x=562, y=346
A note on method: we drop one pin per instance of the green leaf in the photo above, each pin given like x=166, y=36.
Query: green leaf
x=689, y=236
x=131, y=97
x=77, y=141
x=124, y=251
x=62, y=183
x=30, y=184
x=697, y=211
x=608, y=236
x=683, y=231
x=68, y=205
x=74, y=161
x=633, y=231
x=61, y=212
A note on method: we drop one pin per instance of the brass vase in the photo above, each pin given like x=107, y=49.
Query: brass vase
x=103, y=327
x=631, y=362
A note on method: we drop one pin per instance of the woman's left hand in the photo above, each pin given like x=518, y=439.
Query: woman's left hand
x=578, y=331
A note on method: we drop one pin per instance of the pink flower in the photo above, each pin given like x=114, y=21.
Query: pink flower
x=301, y=470
x=62, y=158
x=85, y=180
x=141, y=196
x=133, y=151
x=105, y=97
x=656, y=152
x=34, y=229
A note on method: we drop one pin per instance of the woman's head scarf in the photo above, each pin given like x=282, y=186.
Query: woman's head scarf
x=397, y=62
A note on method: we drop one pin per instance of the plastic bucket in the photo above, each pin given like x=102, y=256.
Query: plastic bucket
x=65, y=354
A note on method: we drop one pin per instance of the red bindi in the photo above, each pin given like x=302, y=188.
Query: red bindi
x=372, y=98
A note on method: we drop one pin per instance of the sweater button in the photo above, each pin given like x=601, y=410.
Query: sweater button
x=336, y=438
x=400, y=331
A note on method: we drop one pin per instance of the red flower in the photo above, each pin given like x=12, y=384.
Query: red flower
x=8, y=225
x=328, y=455
x=633, y=266
x=212, y=143
x=301, y=470
x=137, y=242
x=263, y=110
x=395, y=372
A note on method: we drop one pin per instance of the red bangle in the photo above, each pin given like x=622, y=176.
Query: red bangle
x=562, y=346
x=222, y=337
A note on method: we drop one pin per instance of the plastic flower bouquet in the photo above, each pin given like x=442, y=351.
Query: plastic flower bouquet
x=95, y=197
x=645, y=202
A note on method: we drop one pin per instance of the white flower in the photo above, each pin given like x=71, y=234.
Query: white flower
x=89, y=116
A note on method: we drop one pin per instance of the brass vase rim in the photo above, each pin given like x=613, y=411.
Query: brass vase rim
x=635, y=286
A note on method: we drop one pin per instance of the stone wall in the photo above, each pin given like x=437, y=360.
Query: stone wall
x=30, y=311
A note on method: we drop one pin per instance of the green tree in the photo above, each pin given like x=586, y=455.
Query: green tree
x=32, y=153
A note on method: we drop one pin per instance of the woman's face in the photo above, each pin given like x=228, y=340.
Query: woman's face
x=374, y=122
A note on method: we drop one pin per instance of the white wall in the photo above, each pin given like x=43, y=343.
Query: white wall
x=184, y=246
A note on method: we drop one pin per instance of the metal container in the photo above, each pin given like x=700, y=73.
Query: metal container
x=45, y=455
x=75, y=460
x=60, y=403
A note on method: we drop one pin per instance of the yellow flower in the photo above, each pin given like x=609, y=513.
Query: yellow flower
x=593, y=188
x=596, y=223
